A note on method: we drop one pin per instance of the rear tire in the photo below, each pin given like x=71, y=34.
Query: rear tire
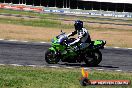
x=93, y=59
x=51, y=58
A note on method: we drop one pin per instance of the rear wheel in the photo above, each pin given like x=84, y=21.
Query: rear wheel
x=93, y=59
x=51, y=57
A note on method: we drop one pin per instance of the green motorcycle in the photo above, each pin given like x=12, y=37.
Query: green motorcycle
x=60, y=51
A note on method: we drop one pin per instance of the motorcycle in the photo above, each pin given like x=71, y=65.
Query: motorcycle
x=60, y=51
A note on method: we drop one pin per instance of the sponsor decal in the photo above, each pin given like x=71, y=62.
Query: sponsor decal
x=33, y=9
x=20, y=7
x=2, y=5
x=14, y=7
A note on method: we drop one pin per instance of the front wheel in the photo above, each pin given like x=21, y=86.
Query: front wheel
x=94, y=58
x=51, y=57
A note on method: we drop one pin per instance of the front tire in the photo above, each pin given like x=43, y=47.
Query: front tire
x=93, y=59
x=51, y=57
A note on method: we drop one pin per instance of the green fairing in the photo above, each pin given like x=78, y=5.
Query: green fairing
x=68, y=53
x=57, y=46
x=97, y=42
x=55, y=40
x=52, y=49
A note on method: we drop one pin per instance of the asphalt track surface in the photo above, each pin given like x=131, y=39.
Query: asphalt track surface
x=32, y=53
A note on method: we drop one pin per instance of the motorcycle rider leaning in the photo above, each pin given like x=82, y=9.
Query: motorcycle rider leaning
x=83, y=36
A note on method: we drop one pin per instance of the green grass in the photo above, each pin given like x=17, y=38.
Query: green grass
x=55, y=16
x=29, y=13
x=35, y=77
x=47, y=20
x=36, y=22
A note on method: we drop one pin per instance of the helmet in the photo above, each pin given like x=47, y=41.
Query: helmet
x=78, y=25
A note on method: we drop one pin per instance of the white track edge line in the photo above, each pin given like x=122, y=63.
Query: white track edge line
x=2, y=64
x=31, y=65
x=1, y=39
x=54, y=66
x=129, y=48
x=42, y=42
x=12, y=40
x=118, y=70
x=116, y=47
x=69, y=67
x=87, y=68
x=100, y=69
x=17, y=65
x=24, y=41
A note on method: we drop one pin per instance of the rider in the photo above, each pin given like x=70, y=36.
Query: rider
x=83, y=36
